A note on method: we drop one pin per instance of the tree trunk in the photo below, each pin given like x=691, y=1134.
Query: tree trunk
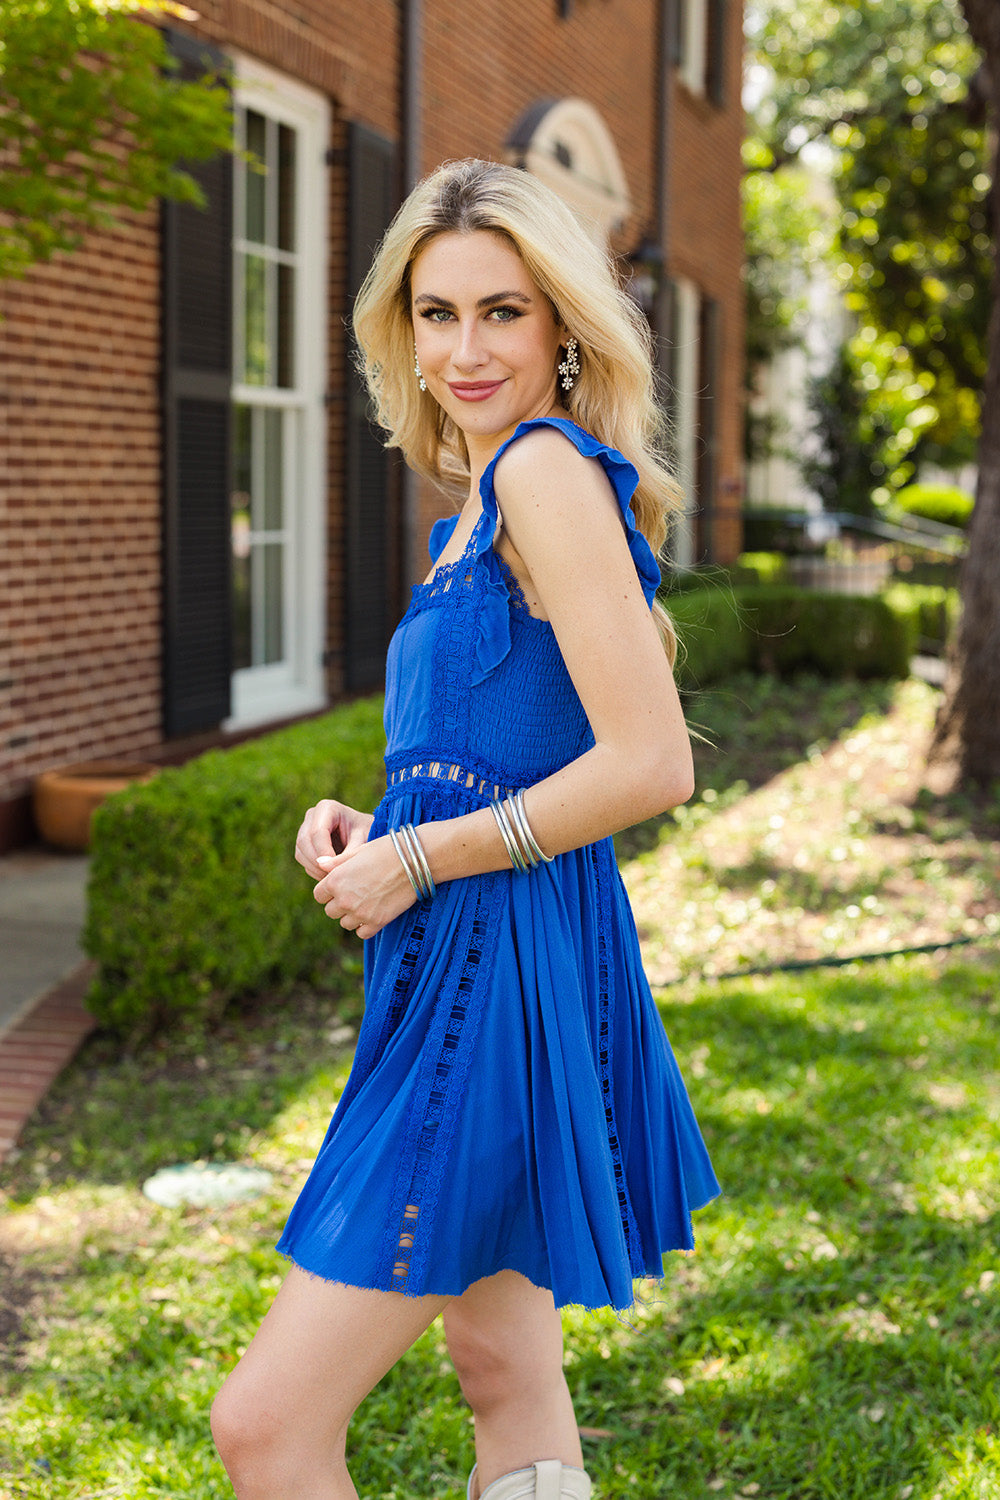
x=968, y=726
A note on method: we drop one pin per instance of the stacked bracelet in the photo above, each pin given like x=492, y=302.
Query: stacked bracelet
x=515, y=830
x=414, y=861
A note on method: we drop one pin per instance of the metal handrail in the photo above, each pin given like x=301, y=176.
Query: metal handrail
x=918, y=531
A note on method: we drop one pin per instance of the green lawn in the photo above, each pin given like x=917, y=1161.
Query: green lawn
x=837, y=1334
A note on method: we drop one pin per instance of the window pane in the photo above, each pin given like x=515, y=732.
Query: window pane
x=255, y=173
x=273, y=508
x=241, y=452
x=286, y=326
x=241, y=610
x=239, y=513
x=273, y=645
x=286, y=188
x=256, y=355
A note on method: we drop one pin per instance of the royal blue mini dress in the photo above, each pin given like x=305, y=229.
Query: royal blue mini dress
x=514, y=1103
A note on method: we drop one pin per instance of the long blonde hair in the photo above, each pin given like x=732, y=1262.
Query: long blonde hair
x=613, y=397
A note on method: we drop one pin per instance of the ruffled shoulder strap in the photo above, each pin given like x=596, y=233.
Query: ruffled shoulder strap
x=441, y=533
x=494, y=633
x=624, y=479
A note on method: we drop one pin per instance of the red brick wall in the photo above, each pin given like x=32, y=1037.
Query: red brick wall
x=80, y=523
x=492, y=61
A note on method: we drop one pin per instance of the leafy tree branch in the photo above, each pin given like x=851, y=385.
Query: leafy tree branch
x=94, y=119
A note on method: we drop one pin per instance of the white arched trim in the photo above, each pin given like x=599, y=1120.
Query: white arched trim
x=567, y=145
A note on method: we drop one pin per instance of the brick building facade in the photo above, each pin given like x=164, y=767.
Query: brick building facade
x=199, y=535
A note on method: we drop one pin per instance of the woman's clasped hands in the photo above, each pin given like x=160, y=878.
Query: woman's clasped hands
x=361, y=885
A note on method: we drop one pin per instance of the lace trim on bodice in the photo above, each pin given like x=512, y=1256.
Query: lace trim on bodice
x=462, y=776
x=446, y=575
x=443, y=579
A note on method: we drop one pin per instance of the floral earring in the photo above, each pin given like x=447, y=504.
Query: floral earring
x=570, y=367
x=416, y=370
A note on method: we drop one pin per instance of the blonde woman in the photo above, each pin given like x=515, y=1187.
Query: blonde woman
x=514, y=1136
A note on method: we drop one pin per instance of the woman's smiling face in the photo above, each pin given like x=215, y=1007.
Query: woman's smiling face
x=486, y=336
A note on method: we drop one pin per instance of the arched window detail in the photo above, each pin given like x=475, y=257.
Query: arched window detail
x=567, y=145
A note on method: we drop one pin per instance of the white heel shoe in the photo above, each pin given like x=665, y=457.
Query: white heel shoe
x=547, y=1480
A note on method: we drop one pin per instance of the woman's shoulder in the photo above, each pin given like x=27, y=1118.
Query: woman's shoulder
x=547, y=441
x=554, y=467
x=554, y=450
x=550, y=447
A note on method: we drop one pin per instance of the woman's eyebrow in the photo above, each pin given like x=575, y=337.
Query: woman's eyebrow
x=494, y=297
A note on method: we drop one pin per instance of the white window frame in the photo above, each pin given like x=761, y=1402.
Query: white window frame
x=296, y=685
x=687, y=363
x=694, y=55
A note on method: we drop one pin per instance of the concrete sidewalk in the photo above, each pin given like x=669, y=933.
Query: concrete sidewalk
x=43, y=978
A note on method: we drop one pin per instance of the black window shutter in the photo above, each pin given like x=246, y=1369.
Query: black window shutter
x=372, y=193
x=678, y=34
x=715, y=82
x=197, y=378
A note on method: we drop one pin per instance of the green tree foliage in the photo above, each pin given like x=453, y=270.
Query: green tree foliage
x=788, y=229
x=870, y=410
x=94, y=119
x=846, y=465
x=888, y=88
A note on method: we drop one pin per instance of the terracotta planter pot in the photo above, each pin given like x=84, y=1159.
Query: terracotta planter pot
x=64, y=799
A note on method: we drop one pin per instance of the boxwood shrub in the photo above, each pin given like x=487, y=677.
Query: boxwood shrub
x=713, y=641
x=194, y=895
x=783, y=629
x=760, y=567
x=945, y=503
x=935, y=610
x=837, y=635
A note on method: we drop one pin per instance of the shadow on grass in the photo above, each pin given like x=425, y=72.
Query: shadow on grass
x=758, y=727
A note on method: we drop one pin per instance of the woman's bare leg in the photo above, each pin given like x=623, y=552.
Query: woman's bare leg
x=280, y=1420
x=505, y=1340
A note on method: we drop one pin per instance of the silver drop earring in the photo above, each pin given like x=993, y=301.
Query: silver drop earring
x=570, y=367
x=416, y=370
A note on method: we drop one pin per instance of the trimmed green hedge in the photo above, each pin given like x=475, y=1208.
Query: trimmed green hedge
x=760, y=567
x=194, y=894
x=837, y=635
x=783, y=629
x=934, y=610
x=713, y=642
x=935, y=502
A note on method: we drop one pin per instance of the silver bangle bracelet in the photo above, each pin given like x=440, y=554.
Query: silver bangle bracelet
x=521, y=844
x=426, y=881
x=524, y=828
x=404, y=861
x=507, y=834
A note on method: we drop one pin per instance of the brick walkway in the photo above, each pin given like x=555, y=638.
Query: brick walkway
x=37, y=1047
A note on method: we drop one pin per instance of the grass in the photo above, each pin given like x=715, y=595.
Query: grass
x=814, y=836
x=836, y=1336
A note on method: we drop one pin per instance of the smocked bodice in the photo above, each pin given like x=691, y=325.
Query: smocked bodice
x=476, y=687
